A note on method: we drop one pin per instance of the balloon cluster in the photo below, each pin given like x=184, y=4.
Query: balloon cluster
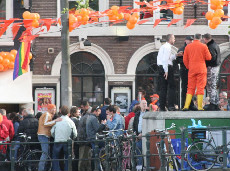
x=179, y=7
x=32, y=16
x=215, y=17
x=114, y=14
x=132, y=20
x=7, y=59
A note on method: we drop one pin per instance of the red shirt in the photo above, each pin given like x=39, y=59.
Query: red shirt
x=9, y=126
x=127, y=119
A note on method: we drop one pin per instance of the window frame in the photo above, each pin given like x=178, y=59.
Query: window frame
x=156, y=15
x=6, y=39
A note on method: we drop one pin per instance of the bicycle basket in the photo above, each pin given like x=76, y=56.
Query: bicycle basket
x=198, y=134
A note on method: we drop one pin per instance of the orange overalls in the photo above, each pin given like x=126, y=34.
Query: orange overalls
x=194, y=58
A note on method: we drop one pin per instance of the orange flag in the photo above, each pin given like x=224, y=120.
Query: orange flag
x=174, y=21
x=157, y=21
x=47, y=22
x=5, y=26
x=142, y=21
x=189, y=22
x=15, y=28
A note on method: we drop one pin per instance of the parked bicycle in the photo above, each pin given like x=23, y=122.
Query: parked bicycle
x=166, y=152
x=203, y=153
x=27, y=158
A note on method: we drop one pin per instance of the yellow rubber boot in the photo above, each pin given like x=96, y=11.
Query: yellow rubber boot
x=200, y=102
x=187, y=101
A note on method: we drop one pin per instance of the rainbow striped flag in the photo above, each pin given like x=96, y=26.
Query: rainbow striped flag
x=22, y=60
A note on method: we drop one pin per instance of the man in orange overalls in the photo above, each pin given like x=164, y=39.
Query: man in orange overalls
x=195, y=55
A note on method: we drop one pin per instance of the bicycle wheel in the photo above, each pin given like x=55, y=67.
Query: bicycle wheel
x=138, y=160
x=32, y=160
x=201, y=156
x=102, y=156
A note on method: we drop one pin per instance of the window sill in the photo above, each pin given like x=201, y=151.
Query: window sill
x=6, y=43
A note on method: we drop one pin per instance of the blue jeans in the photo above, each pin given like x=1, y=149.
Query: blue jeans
x=139, y=145
x=56, y=152
x=45, y=148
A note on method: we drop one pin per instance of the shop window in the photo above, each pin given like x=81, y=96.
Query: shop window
x=88, y=79
x=147, y=77
x=93, y=4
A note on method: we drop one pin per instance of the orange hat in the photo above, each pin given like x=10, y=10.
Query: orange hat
x=155, y=95
x=51, y=106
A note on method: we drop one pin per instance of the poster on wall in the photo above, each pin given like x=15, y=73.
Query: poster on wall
x=43, y=97
x=121, y=97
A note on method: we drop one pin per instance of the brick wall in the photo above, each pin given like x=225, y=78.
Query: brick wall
x=46, y=8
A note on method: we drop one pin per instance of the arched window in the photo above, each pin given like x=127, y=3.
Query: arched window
x=88, y=78
x=224, y=77
x=147, y=77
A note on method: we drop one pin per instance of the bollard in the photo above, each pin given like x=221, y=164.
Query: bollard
x=12, y=153
x=183, y=140
x=69, y=144
x=225, y=149
x=96, y=156
x=147, y=152
x=133, y=162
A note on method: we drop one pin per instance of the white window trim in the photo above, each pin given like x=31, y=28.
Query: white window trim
x=7, y=39
x=223, y=22
x=156, y=15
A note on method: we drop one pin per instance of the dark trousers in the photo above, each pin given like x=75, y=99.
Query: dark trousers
x=166, y=86
x=56, y=153
x=184, y=86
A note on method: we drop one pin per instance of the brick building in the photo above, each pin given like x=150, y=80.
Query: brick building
x=112, y=66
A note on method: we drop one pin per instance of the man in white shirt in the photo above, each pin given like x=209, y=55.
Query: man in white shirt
x=166, y=75
x=62, y=131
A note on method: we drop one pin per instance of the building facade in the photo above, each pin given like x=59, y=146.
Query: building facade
x=111, y=66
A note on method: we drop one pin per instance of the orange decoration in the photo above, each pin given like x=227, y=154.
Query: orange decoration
x=77, y=12
x=219, y=6
x=127, y=16
x=79, y=18
x=35, y=23
x=6, y=62
x=115, y=8
x=1, y=59
x=85, y=18
x=5, y=68
x=83, y=11
x=212, y=25
x=216, y=20
x=213, y=7
x=216, y=2
x=1, y=67
x=130, y=26
x=11, y=57
x=33, y=16
x=219, y=13
x=11, y=65
x=72, y=19
x=3, y=54
x=37, y=16
x=59, y=21
x=135, y=14
x=26, y=15
x=209, y=15
x=178, y=11
x=120, y=16
x=94, y=19
x=133, y=20
x=14, y=52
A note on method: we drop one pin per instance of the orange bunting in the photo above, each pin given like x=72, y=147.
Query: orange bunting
x=174, y=21
x=47, y=22
x=189, y=22
x=15, y=28
x=142, y=21
x=157, y=21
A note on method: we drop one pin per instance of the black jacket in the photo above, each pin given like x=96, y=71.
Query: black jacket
x=81, y=135
x=29, y=126
x=179, y=59
x=214, y=49
x=136, y=121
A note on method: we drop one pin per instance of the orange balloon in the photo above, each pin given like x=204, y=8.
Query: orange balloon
x=114, y=8
x=77, y=12
x=79, y=18
x=219, y=13
x=133, y=20
x=6, y=62
x=35, y=23
x=213, y=7
x=72, y=19
x=120, y=16
x=216, y=20
x=30, y=55
x=219, y=6
x=113, y=17
x=85, y=18
x=26, y=15
x=127, y=16
x=5, y=68
x=1, y=59
x=209, y=15
x=178, y=11
x=216, y=2
x=130, y=25
x=177, y=3
x=11, y=65
x=11, y=57
x=14, y=52
x=3, y=54
x=83, y=11
x=33, y=16
x=37, y=16
x=1, y=67
x=135, y=14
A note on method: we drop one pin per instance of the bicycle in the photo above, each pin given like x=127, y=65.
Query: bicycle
x=166, y=153
x=28, y=159
x=203, y=153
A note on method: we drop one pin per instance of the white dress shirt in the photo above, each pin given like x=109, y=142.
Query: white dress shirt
x=165, y=56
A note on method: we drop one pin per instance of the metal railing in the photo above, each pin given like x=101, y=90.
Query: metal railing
x=147, y=153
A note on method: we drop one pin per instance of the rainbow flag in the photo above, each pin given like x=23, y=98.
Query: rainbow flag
x=22, y=60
